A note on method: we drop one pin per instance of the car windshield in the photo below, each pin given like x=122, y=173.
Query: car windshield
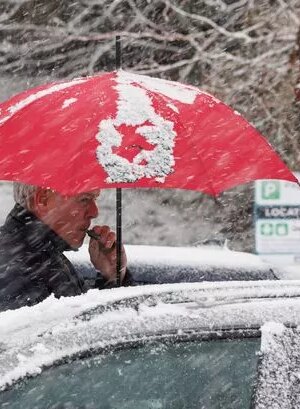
x=157, y=375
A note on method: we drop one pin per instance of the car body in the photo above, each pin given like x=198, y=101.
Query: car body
x=157, y=346
x=278, y=367
x=166, y=264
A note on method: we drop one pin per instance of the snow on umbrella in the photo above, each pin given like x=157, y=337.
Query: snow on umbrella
x=125, y=130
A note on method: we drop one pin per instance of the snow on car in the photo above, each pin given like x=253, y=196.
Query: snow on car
x=163, y=264
x=156, y=346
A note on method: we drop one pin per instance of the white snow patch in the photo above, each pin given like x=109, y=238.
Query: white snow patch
x=200, y=256
x=268, y=330
x=40, y=348
x=38, y=95
x=173, y=107
x=68, y=102
x=273, y=328
x=4, y=119
x=174, y=90
x=135, y=108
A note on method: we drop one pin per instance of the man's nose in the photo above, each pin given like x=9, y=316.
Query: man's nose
x=93, y=210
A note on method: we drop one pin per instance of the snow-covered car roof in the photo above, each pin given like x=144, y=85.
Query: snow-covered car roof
x=34, y=337
x=166, y=264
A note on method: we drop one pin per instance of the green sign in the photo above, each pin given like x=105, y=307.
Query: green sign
x=274, y=229
x=270, y=189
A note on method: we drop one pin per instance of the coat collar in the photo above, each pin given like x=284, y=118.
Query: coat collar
x=39, y=235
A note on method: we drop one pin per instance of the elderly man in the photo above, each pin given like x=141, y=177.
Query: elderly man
x=42, y=225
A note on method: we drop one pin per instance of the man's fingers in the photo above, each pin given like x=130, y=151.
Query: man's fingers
x=104, y=240
x=102, y=233
x=111, y=239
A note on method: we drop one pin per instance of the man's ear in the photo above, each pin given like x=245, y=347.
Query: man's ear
x=42, y=201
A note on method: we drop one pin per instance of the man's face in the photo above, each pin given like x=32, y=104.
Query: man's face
x=70, y=216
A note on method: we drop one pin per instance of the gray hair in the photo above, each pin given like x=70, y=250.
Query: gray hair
x=23, y=193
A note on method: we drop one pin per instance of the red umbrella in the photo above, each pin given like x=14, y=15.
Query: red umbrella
x=125, y=130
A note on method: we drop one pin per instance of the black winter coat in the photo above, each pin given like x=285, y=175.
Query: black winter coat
x=32, y=263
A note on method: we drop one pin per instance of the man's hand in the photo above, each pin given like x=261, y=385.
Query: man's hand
x=103, y=253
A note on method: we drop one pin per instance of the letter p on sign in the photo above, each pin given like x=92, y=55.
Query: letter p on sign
x=271, y=189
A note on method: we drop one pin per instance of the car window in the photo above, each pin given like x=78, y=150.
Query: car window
x=216, y=374
x=158, y=273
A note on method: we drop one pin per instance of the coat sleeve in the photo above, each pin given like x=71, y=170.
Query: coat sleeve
x=18, y=290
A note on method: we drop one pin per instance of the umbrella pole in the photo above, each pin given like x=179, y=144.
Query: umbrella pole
x=118, y=192
x=119, y=234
